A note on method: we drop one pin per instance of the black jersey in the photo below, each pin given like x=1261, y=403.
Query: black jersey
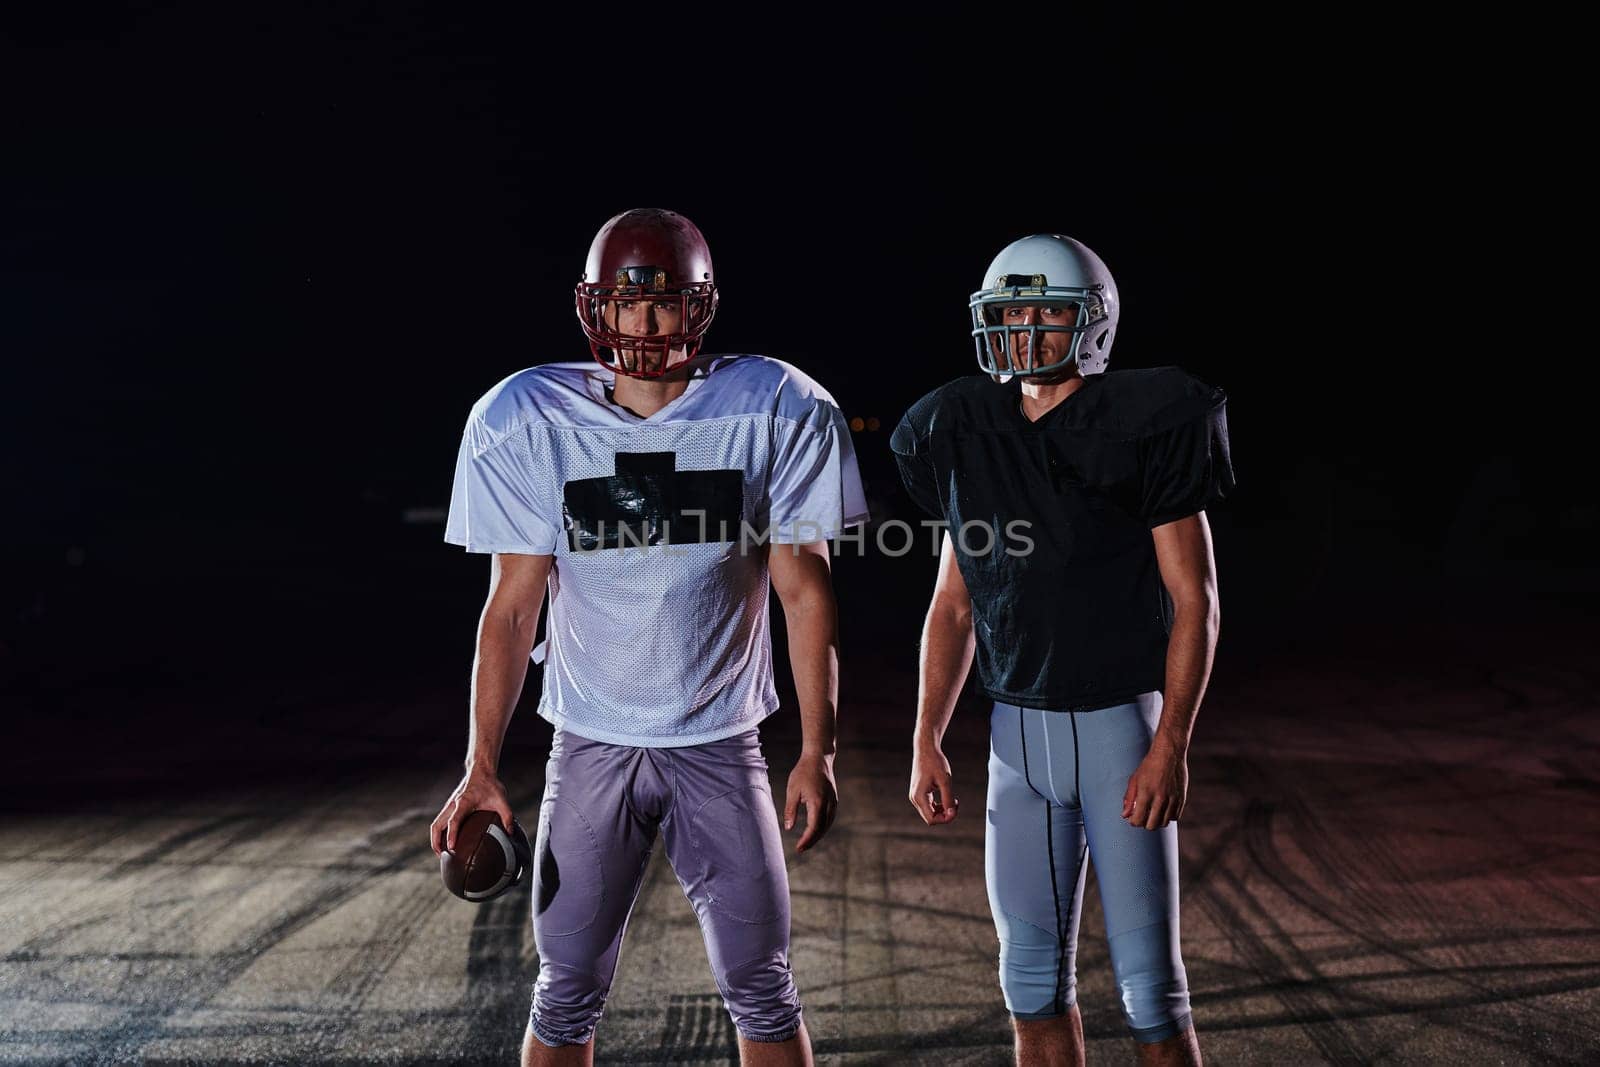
x=1079, y=617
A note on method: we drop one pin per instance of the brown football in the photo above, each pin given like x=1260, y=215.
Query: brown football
x=487, y=861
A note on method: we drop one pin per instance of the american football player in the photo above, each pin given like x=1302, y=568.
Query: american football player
x=656, y=494
x=1094, y=645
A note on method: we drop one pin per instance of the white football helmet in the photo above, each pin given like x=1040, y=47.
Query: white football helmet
x=1041, y=270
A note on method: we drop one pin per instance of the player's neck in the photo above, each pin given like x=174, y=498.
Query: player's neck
x=1039, y=397
x=646, y=396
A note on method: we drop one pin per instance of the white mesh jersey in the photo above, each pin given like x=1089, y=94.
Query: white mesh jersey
x=657, y=631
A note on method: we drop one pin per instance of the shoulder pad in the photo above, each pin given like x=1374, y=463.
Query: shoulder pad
x=973, y=402
x=1143, y=402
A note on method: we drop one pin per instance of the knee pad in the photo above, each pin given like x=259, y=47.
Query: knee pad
x=1153, y=983
x=567, y=1003
x=1036, y=975
x=761, y=998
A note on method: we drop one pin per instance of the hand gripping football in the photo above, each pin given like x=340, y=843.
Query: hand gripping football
x=486, y=861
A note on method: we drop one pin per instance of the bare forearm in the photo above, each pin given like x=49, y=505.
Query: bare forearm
x=1190, y=648
x=498, y=672
x=813, y=623
x=947, y=647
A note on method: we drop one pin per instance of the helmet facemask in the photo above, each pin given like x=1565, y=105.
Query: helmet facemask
x=607, y=312
x=1013, y=349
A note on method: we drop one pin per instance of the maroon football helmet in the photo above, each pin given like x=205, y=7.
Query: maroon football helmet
x=653, y=259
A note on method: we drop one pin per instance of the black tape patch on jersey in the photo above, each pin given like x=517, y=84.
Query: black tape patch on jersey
x=650, y=502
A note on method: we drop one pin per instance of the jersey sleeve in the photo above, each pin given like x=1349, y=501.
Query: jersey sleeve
x=815, y=488
x=1186, y=467
x=497, y=504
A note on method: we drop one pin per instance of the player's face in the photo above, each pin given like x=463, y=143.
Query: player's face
x=1053, y=347
x=645, y=318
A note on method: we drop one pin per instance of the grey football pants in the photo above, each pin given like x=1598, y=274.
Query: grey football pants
x=603, y=807
x=1056, y=783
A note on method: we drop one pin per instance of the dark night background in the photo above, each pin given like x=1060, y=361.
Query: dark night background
x=258, y=265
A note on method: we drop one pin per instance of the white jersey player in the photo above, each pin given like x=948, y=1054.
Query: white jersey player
x=657, y=496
